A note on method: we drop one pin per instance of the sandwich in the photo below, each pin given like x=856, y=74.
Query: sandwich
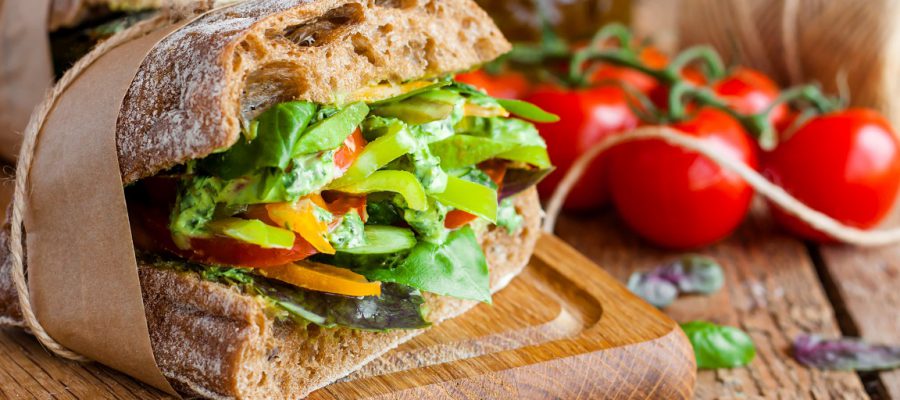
x=308, y=187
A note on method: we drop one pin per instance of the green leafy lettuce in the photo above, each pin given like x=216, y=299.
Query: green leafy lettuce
x=454, y=268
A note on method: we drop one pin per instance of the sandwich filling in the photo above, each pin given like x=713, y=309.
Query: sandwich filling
x=343, y=215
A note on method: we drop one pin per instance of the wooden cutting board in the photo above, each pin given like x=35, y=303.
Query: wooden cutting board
x=563, y=329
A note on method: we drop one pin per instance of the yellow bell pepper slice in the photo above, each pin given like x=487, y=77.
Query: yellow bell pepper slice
x=323, y=278
x=300, y=217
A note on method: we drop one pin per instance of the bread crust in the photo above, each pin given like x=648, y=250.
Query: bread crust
x=213, y=341
x=195, y=88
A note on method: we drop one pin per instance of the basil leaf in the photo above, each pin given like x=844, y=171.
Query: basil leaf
x=527, y=110
x=455, y=268
x=653, y=289
x=689, y=274
x=845, y=354
x=717, y=346
x=277, y=130
x=330, y=133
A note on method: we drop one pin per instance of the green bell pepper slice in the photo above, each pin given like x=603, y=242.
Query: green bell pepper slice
x=402, y=182
x=470, y=197
x=329, y=133
x=255, y=232
x=534, y=155
x=378, y=153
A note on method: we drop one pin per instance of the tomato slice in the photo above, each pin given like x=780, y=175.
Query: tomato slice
x=151, y=233
x=458, y=219
x=220, y=250
x=340, y=204
x=324, y=278
x=348, y=152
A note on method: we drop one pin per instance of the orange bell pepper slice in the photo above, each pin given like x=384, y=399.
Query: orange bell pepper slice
x=300, y=217
x=324, y=278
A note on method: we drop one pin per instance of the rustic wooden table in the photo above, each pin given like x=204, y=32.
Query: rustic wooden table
x=776, y=288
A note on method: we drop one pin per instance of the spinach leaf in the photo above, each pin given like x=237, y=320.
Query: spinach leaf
x=717, y=346
x=455, y=268
x=845, y=354
x=527, y=110
x=278, y=128
x=329, y=133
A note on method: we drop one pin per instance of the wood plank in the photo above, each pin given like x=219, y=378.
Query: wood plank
x=866, y=283
x=772, y=292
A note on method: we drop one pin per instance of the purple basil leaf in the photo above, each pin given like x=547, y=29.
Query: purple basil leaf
x=698, y=274
x=653, y=289
x=517, y=180
x=845, y=354
x=689, y=274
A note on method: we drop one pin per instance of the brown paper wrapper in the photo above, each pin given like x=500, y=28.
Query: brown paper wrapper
x=25, y=68
x=81, y=262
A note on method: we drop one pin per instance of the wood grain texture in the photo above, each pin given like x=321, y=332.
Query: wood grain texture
x=772, y=292
x=866, y=285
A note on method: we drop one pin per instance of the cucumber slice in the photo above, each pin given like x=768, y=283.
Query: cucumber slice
x=381, y=239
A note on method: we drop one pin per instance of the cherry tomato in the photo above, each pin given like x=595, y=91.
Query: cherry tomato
x=586, y=118
x=348, y=152
x=750, y=92
x=508, y=85
x=644, y=83
x=845, y=164
x=679, y=199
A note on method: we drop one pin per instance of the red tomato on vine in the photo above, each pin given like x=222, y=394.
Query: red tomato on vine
x=587, y=116
x=845, y=164
x=749, y=91
x=507, y=85
x=680, y=199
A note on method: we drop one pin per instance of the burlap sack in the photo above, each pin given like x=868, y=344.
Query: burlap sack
x=846, y=45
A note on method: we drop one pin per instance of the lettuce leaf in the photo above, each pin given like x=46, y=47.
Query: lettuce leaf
x=277, y=131
x=454, y=268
